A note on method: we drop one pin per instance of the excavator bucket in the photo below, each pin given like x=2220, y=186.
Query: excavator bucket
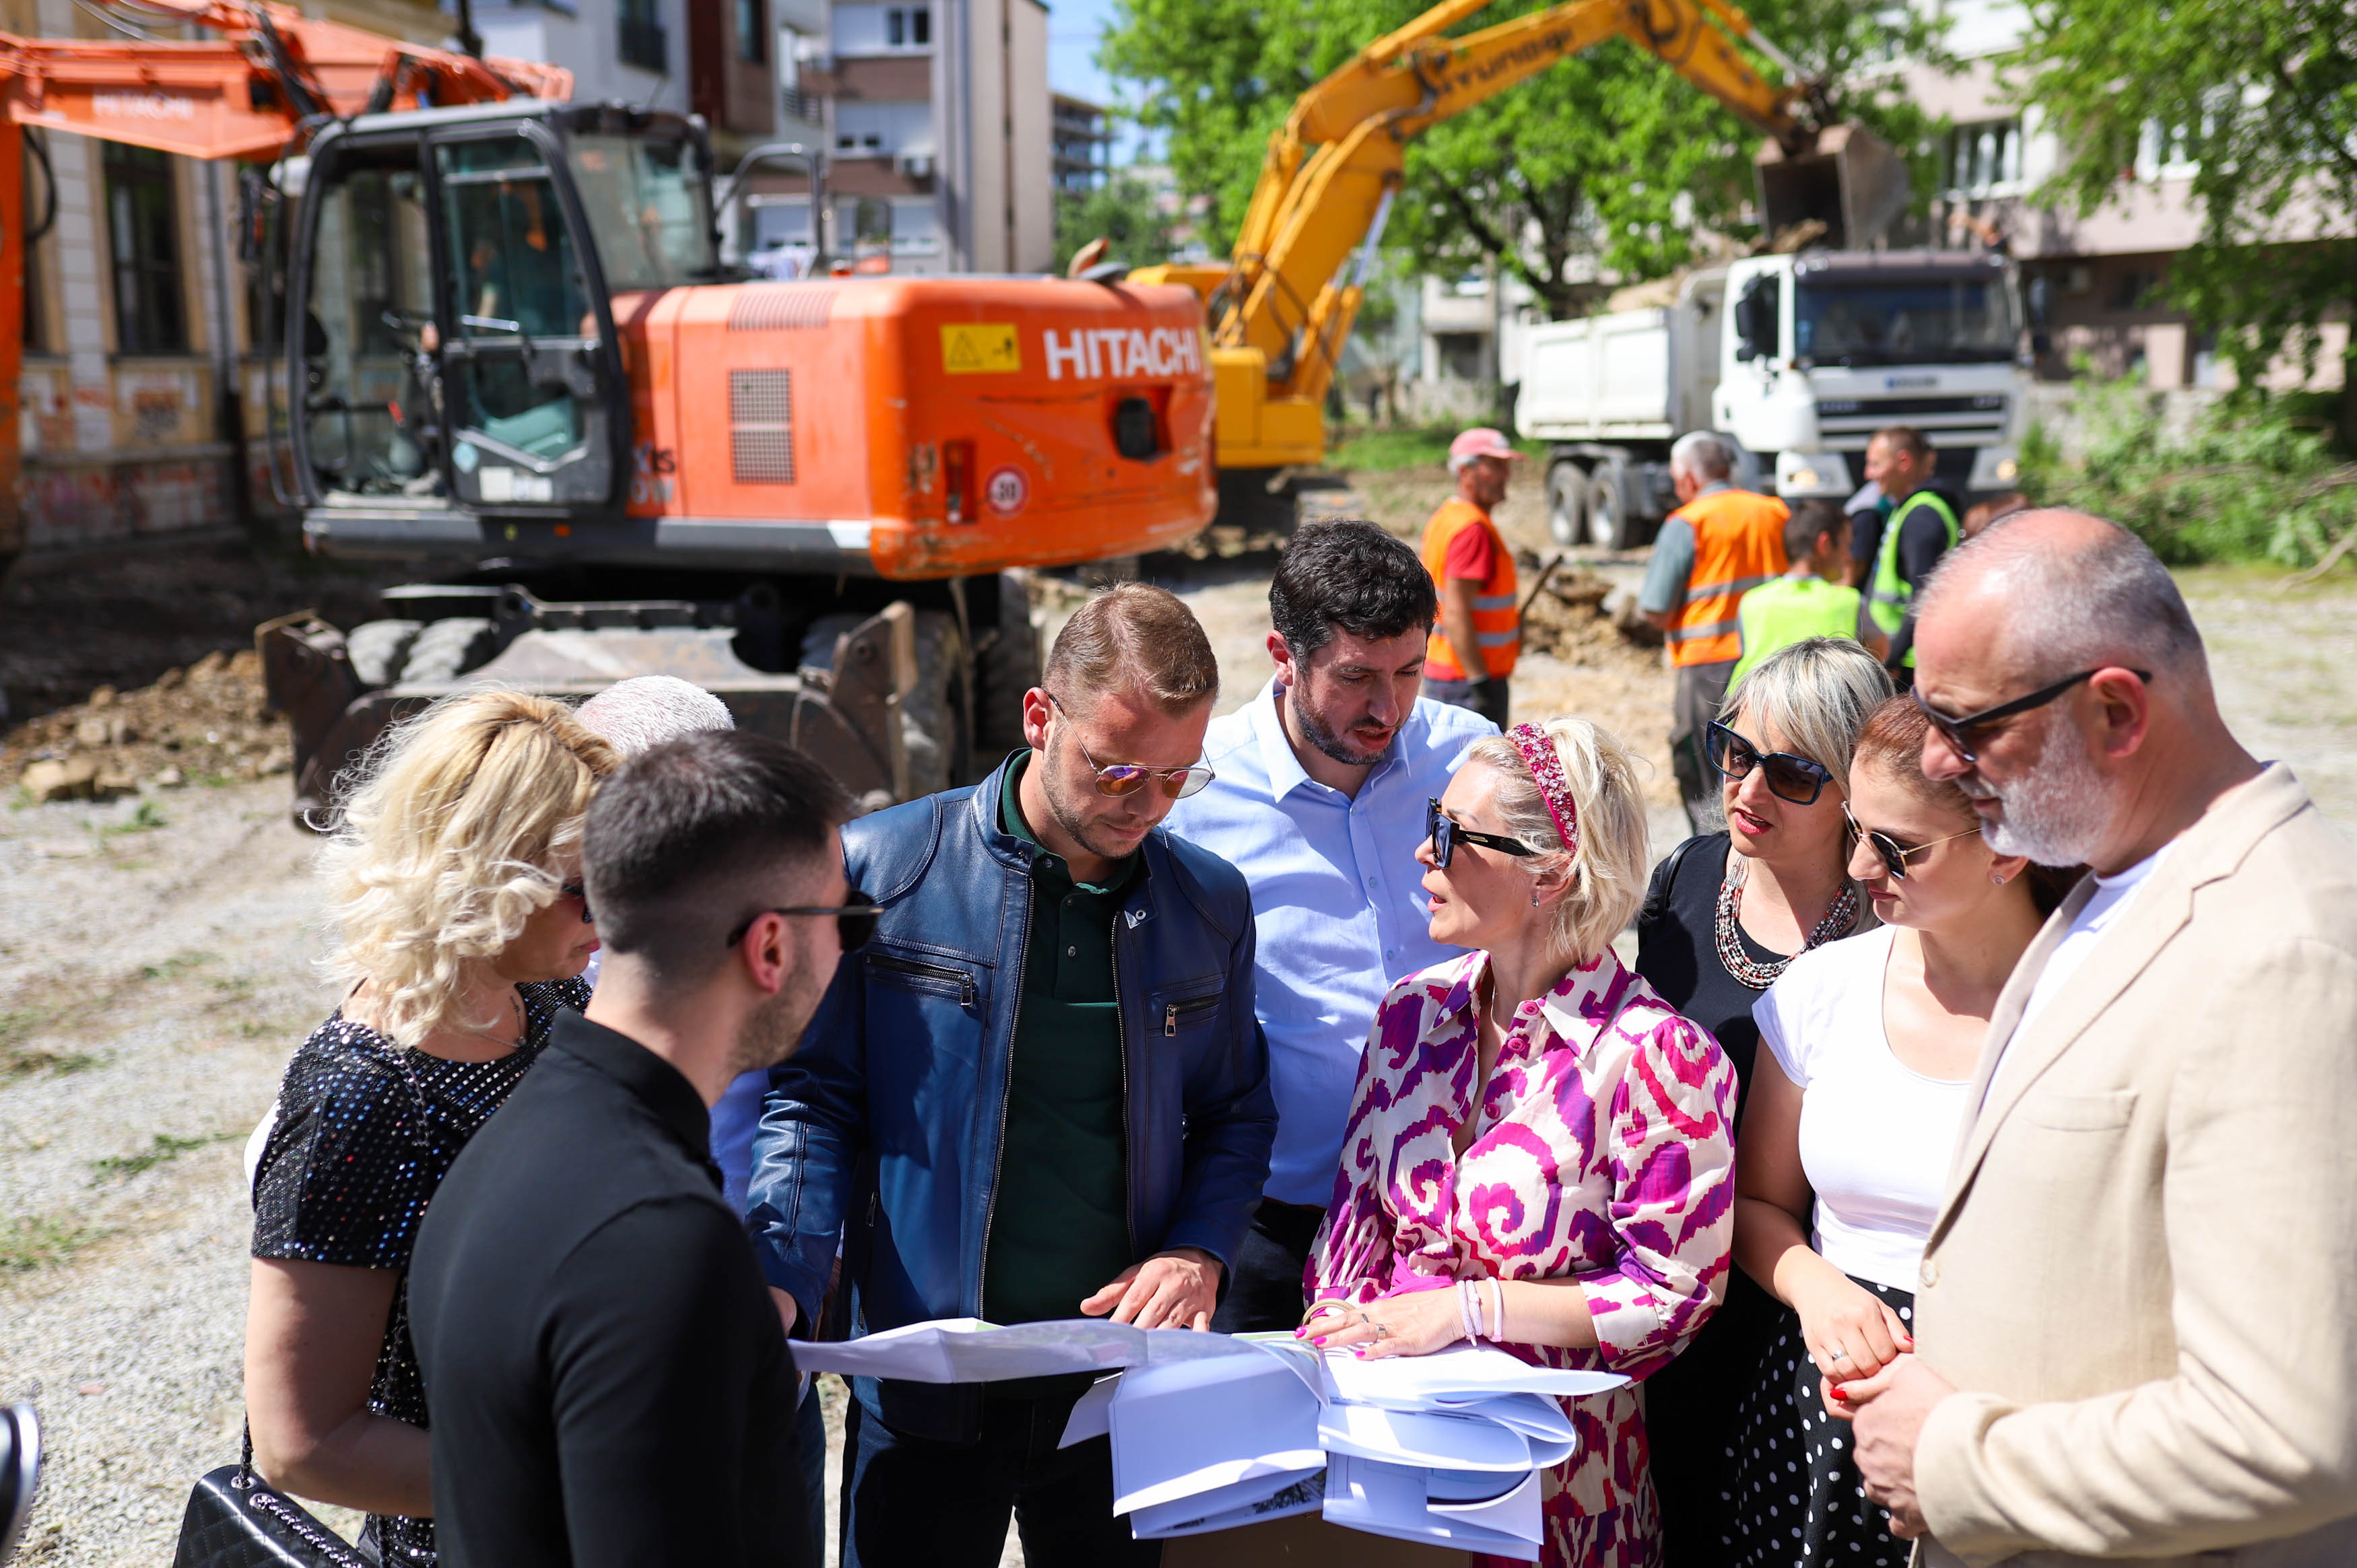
x=1851, y=181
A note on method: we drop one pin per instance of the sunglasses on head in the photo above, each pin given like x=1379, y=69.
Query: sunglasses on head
x=1893, y=854
x=855, y=920
x=1119, y=779
x=1795, y=778
x=1446, y=833
x=1957, y=732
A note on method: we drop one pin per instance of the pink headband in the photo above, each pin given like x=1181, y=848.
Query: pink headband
x=1540, y=756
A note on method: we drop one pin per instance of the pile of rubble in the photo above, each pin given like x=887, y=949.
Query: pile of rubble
x=205, y=724
x=1581, y=619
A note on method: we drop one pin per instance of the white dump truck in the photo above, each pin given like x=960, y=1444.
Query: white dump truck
x=1798, y=359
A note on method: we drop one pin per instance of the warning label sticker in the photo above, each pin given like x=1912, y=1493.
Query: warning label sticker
x=974, y=348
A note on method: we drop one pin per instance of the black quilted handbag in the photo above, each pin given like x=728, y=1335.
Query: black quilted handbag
x=234, y=1520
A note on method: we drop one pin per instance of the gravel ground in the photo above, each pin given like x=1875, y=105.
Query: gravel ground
x=155, y=974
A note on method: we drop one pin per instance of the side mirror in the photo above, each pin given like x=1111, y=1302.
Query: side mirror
x=1756, y=326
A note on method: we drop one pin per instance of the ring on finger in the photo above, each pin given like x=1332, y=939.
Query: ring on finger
x=1840, y=1355
x=1382, y=1331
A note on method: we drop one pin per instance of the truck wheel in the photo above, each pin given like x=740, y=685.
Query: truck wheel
x=1008, y=666
x=1567, y=494
x=449, y=648
x=380, y=648
x=1609, y=526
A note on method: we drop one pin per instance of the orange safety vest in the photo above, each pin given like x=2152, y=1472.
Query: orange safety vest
x=1738, y=545
x=1496, y=621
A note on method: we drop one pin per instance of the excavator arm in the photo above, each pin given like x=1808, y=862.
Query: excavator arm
x=1283, y=308
x=253, y=89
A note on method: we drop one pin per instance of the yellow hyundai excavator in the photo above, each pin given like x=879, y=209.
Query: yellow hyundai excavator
x=1280, y=310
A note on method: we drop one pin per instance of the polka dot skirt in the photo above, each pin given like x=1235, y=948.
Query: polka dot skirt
x=1798, y=1500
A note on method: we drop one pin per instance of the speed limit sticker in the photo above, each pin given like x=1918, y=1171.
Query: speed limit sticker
x=1006, y=492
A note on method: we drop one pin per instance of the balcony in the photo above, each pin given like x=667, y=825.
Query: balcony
x=644, y=45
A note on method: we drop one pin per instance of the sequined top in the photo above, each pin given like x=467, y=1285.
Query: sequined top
x=366, y=1131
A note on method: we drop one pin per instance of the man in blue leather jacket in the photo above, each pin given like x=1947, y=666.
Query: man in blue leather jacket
x=1040, y=1091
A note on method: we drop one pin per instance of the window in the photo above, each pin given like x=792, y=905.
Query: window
x=908, y=27
x=1463, y=355
x=1981, y=158
x=753, y=31
x=641, y=37
x=650, y=204
x=143, y=224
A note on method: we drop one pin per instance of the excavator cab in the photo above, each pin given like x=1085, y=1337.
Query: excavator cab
x=456, y=363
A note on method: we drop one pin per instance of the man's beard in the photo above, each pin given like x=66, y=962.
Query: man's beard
x=775, y=1028
x=1326, y=740
x=2056, y=811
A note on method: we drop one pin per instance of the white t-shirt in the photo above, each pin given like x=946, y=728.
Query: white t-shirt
x=1876, y=1135
x=2101, y=913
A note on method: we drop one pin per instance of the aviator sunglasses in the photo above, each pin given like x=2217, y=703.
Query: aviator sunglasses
x=1445, y=834
x=1790, y=778
x=1119, y=779
x=855, y=920
x=1895, y=855
x=1953, y=730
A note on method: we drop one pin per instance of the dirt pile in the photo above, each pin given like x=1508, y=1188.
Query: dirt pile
x=205, y=724
x=1581, y=619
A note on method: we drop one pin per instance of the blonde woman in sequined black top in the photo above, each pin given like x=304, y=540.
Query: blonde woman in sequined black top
x=453, y=880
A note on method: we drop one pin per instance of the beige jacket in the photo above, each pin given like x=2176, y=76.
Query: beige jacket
x=2144, y=1275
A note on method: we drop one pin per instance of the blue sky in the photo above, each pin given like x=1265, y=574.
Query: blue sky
x=1073, y=27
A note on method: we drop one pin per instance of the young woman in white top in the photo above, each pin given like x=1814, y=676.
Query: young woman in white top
x=1856, y=1106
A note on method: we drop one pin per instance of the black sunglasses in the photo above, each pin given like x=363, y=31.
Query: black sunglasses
x=855, y=920
x=1895, y=855
x=575, y=890
x=1953, y=730
x=1445, y=832
x=1795, y=778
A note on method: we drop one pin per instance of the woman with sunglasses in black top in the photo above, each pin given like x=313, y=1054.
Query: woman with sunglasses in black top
x=1855, y=1105
x=1724, y=915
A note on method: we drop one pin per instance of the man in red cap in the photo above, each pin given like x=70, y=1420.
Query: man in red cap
x=1481, y=632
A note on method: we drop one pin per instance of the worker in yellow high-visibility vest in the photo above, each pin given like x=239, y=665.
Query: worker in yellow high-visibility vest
x=1810, y=600
x=1473, y=650
x=1718, y=545
x=1924, y=525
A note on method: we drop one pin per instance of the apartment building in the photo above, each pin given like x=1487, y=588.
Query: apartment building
x=1081, y=137
x=935, y=119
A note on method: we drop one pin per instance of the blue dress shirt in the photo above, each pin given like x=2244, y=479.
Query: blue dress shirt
x=1337, y=901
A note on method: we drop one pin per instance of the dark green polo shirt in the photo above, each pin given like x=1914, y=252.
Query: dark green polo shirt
x=1059, y=1228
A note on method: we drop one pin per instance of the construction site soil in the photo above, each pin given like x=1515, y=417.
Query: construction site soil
x=158, y=951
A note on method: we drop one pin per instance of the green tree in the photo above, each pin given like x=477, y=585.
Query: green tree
x=1607, y=159
x=1124, y=210
x=2263, y=94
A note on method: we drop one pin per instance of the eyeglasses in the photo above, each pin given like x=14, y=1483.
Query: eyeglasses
x=1895, y=855
x=1119, y=779
x=855, y=920
x=1953, y=730
x=1444, y=831
x=575, y=890
x=1798, y=779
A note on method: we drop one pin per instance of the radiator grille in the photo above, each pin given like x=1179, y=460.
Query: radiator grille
x=786, y=306
x=761, y=426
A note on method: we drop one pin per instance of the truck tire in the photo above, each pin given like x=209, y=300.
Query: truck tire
x=1609, y=525
x=449, y=648
x=1567, y=495
x=1008, y=666
x=378, y=649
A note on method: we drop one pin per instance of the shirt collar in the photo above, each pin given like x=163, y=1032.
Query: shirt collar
x=657, y=1084
x=1573, y=1014
x=1286, y=773
x=1713, y=487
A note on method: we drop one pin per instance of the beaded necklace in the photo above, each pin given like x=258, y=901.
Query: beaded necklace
x=1839, y=919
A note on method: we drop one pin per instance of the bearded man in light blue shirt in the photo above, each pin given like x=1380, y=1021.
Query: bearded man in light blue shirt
x=1318, y=796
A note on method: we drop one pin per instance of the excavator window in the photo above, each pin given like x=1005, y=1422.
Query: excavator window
x=648, y=202
x=373, y=398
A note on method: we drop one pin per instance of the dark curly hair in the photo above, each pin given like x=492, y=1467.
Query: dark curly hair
x=1349, y=576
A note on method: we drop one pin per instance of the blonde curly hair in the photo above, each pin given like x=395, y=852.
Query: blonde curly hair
x=462, y=824
x=1606, y=877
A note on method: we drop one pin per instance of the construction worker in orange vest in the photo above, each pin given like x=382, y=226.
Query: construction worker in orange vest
x=1719, y=544
x=1474, y=571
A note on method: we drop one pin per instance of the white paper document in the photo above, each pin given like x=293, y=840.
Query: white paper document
x=1394, y=1500
x=968, y=1350
x=1191, y=1427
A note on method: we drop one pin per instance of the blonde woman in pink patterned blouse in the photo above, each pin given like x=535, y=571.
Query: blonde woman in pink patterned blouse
x=1533, y=1114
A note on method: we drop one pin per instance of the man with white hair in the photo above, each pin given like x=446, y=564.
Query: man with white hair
x=1480, y=634
x=1718, y=545
x=2133, y=1334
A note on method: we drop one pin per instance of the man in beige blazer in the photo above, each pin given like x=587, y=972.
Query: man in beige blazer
x=2136, y=1321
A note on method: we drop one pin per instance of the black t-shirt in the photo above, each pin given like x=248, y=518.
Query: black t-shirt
x=1677, y=953
x=366, y=1131
x=611, y=1384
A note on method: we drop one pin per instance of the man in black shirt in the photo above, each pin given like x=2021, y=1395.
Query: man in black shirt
x=610, y=1383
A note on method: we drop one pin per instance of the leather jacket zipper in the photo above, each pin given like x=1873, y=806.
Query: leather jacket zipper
x=964, y=981
x=1178, y=1010
x=1128, y=1110
x=1005, y=1087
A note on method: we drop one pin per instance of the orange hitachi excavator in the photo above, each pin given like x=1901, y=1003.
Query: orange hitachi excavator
x=511, y=351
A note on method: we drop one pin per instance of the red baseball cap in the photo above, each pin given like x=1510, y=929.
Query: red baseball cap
x=1483, y=442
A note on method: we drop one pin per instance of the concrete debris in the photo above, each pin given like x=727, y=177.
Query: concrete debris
x=1572, y=619
x=207, y=723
